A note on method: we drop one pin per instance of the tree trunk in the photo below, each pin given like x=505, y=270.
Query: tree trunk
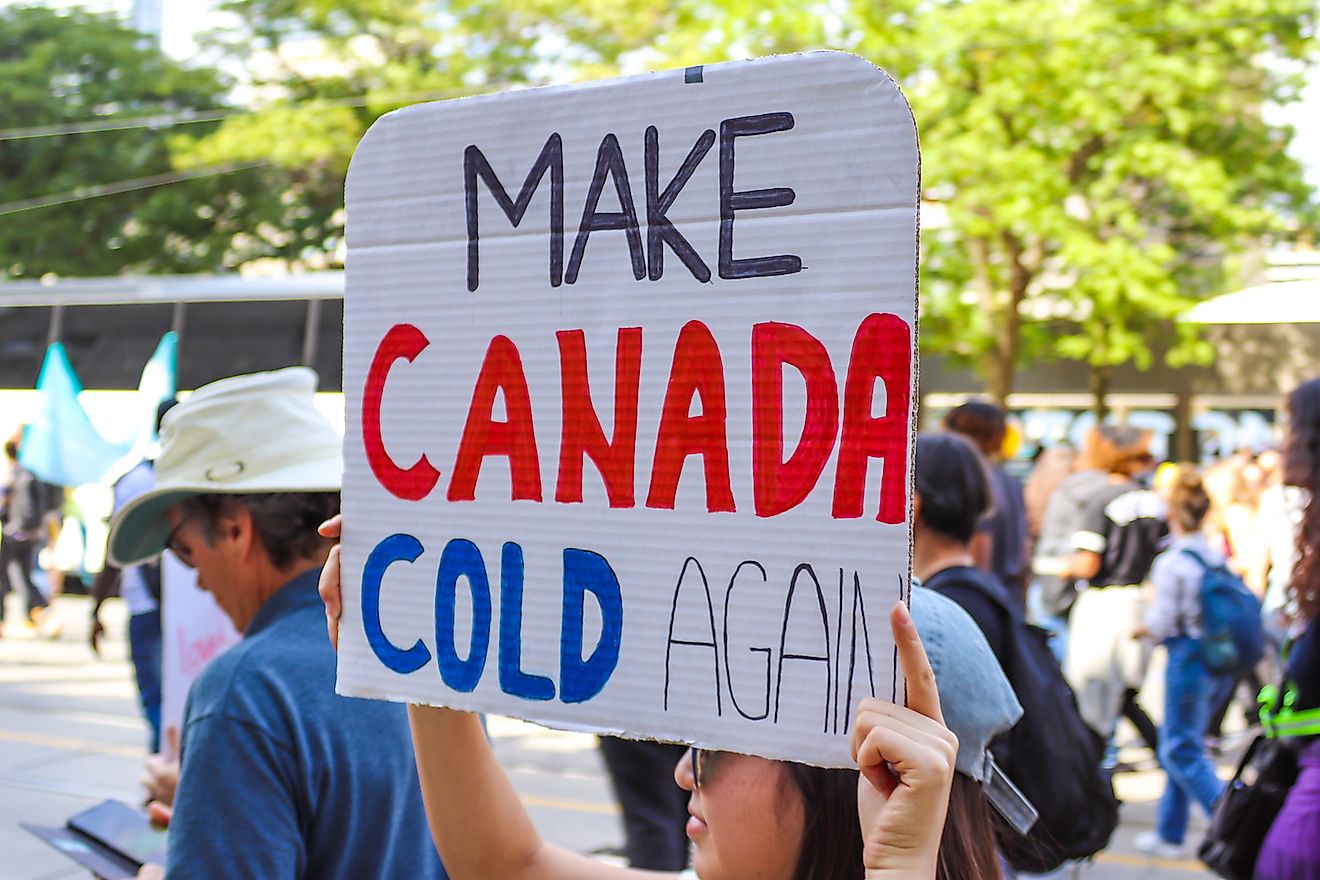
x=1009, y=318
x=998, y=371
x=1099, y=387
x=1001, y=305
x=1184, y=437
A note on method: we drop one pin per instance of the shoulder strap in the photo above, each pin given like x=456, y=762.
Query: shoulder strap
x=997, y=597
x=1188, y=551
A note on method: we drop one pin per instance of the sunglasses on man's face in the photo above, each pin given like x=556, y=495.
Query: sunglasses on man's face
x=181, y=552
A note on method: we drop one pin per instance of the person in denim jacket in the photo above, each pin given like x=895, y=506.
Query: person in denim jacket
x=1174, y=620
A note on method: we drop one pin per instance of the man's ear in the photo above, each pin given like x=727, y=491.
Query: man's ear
x=235, y=524
x=916, y=506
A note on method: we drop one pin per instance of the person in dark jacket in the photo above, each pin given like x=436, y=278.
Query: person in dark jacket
x=26, y=502
x=1000, y=545
x=952, y=494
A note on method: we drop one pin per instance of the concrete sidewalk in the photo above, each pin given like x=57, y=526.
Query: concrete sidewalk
x=71, y=736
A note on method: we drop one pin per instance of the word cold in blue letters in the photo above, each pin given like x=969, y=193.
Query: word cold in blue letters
x=583, y=572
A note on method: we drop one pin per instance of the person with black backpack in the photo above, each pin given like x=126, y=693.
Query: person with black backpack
x=1051, y=754
x=27, y=500
x=1120, y=532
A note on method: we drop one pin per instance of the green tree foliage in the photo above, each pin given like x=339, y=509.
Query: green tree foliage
x=66, y=68
x=320, y=73
x=323, y=70
x=1095, y=167
x=1089, y=168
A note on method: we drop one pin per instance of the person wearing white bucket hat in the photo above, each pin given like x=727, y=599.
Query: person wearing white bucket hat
x=275, y=767
x=246, y=435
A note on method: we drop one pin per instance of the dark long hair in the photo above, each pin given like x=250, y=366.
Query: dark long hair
x=1301, y=467
x=967, y=849
x=832, y=836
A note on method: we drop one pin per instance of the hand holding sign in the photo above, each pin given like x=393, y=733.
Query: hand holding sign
x=906, y=756
x=328, y=585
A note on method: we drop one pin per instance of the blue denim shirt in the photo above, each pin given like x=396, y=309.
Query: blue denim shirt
x=281, y=777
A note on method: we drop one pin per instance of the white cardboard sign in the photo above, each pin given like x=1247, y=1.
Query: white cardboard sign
x=628, y=373
x=195, y=631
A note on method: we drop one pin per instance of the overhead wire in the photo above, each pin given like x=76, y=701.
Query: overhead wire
x=192, y=117
x=189, y=117
x=122, y=186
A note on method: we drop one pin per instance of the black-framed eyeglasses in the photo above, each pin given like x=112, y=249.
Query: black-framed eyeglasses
x=703, y=763
x=172, y=542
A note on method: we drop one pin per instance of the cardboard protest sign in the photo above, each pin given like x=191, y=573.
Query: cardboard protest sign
x=195, y=631
x=628, y=372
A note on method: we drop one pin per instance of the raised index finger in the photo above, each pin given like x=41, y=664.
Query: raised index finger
x=922, y=694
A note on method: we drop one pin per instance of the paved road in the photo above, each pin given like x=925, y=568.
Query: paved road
x=70, y=736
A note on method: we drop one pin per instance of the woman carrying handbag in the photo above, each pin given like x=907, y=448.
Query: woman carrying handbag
x=1291, y=850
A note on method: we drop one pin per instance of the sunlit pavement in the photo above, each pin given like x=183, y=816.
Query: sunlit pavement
x=70, y=736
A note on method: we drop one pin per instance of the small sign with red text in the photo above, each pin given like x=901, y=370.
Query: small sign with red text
x=194, y=632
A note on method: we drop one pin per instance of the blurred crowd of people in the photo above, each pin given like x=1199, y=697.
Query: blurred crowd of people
x=1104, y=547
x=1120, y=547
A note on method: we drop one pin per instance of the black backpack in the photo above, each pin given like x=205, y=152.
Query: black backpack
x=1051, y=755
x=30, y=499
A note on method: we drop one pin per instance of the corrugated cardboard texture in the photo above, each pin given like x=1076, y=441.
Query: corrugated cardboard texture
x=746, y=632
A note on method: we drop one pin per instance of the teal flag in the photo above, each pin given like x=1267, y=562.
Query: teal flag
x=158, y=384
x=61, y=445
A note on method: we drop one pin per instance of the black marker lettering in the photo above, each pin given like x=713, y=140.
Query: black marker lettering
x=609, y=161
x=859, y=616
x=659, y=231
x=475, y=165
x=813, y=658
x=731, y=202
x=838, y=651
x=757, y=650
x=692, y=643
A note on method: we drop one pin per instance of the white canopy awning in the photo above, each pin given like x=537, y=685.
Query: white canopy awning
x=1281, y=302
x=137, y=289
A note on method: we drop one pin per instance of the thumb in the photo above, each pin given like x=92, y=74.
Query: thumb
x=159, y=814
x=172, y=739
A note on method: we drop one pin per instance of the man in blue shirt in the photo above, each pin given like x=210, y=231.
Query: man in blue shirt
x=279, y=777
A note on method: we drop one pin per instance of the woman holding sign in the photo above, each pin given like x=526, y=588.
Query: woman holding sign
x=907, y=814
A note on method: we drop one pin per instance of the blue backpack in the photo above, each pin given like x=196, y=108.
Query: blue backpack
x=1232, y=639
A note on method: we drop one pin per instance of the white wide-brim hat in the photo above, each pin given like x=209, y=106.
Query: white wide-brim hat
x=245, y=435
